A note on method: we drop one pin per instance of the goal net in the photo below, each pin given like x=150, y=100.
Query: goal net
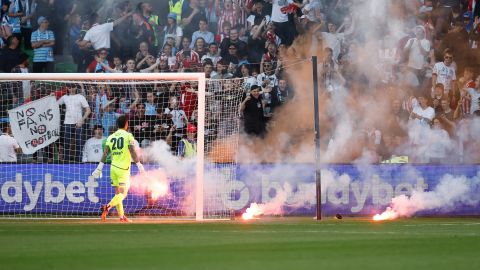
x=55, y=126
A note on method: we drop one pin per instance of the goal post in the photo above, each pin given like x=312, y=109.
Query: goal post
x=208, y=200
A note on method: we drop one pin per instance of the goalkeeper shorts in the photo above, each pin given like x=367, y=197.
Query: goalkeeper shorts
x=119, y=177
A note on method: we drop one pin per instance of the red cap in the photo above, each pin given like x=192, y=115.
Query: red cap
x=191, y=128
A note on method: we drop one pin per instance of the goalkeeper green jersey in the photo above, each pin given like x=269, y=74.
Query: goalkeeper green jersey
x=118, y=143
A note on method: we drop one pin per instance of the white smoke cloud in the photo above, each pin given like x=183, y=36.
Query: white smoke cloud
x=451, y=192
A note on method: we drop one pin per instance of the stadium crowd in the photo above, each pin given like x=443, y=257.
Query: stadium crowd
x=245, y=41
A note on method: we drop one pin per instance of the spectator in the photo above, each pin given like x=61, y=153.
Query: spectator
x=191, y=16
x=93, y=150
x=422, y=113
x=15, y=13
x=285, y=29
x=9, y=147
x=332, y=39
x=202, y=32
x=100, y=64
x=43, y=41
x=256, y=42
x=267, y=79
x=172, y=30
x=11, y=54
x=26, y=22
x=257, y=15
x=232, y=56
x=150, y=105
x=154, y=21
x=200, y=47
x=446, y=115
x=250, y=80
x=73, y=123
x=117, y=64
x=177, y=7
x=229, y=12
x=143, y=31
x=188, y=98
x=475, y=97
x=444, y=72
x=143, y=51
x=187, y=147
x=224, y=33
x=281, y=93
x=109, y=117
x=169, y=56
x=417, y=49
x=252, y=110
x=130, y=66
x=186, y=58
x=148, y=64
x=125, y=106
x=233, y=39
x=400, y=115
x=222, y=71
x=437, y=96
x=213, y=54
x=179, y=119
x=98, y=36
x=270, y=55
x=142, y=125
x=208, y=68
x=22, y=88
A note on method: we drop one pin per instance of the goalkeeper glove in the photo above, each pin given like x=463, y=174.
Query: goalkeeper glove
x=140, y=167
x=98, y=171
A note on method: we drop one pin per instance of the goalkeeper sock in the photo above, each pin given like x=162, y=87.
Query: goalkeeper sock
x=120, y=209
x=116, y=200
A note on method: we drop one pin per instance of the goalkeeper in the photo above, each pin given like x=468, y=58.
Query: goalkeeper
x=121, y=146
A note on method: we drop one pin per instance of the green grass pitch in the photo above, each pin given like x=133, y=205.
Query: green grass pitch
x=268, y=243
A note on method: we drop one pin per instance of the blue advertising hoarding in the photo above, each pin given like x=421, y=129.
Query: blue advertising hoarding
x=347, y=189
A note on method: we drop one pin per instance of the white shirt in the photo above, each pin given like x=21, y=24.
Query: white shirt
x=428, y=113
x=248, y=83
x=445, y=75
x=334, y=42
x=99, y=35
x=92, y=151
x=251, y=19
x=74, y=105
x=177, y=117
x=277, y=15
x=262, y=77
x=8, y=145
x=475, y=103
x=416, y=59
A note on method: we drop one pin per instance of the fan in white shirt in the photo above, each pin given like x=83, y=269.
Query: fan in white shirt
x=93, y=150
x=8, y=146
x=444, y=72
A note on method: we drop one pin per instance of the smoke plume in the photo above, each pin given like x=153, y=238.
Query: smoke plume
x=450, y=193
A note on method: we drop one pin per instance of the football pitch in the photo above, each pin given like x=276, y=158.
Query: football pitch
x=268, y=243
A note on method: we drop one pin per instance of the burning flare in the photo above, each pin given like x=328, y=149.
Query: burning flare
x=253, y=211
x=388, y=214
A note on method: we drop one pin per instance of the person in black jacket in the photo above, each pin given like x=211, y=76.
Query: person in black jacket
x=252, y=110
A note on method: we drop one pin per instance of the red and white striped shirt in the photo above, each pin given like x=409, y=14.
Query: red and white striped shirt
x=226, y=16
